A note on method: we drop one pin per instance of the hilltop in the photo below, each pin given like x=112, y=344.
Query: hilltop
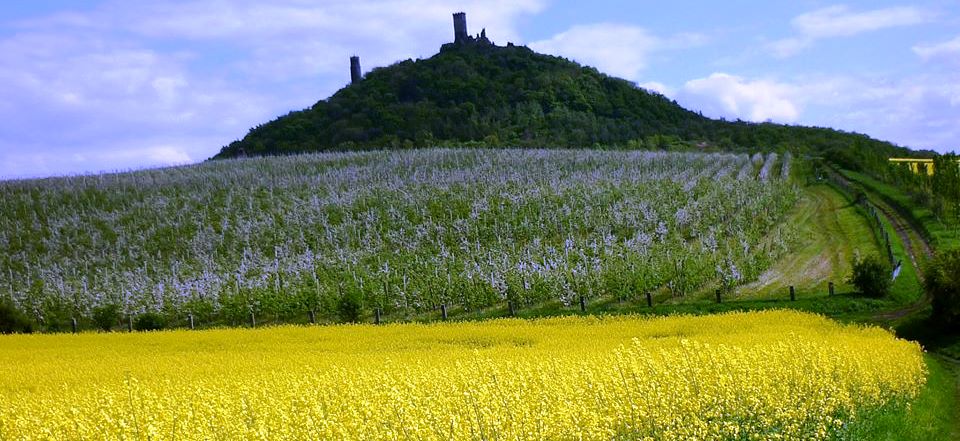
x=475, y=93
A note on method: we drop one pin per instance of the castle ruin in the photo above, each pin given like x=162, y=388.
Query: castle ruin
x=460, y=34
x=460, y=38
x=355, y=72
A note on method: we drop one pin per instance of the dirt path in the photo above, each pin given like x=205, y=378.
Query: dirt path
x=913, y=244
x=910, y=241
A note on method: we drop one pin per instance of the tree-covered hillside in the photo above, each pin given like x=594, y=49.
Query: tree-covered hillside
x=487, y=95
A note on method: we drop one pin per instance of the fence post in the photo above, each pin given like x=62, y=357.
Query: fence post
x=313, y=317
x=73, y=322
x=376, y=316
x=793, y=295
x=443, y=310
x=583, y=304
x=718, y=296
x=830, y=287
x=253, y=320
x=191, y=321
x=649, y=300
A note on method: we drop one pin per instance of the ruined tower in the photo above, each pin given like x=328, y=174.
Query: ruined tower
x=355, y=75
x=460, y=28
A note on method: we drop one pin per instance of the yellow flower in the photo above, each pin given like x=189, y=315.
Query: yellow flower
x=769, y=375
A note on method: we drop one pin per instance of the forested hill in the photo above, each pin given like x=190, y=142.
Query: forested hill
x=480, y=94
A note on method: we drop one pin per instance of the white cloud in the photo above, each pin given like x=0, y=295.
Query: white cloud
x=615, y=49
x=657, y=87
x=291, y=38
x=948, y=49
x=132, y=84
x=733, y=97
x=921, y=111
x=840, y=21
x=64, y=94
x=32, y=163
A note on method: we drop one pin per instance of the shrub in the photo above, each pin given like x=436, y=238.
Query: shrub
x=106, y=316
x=12, y=320
x=871, y=276
x=942, y=284
x=350, y=307
x=149, y=321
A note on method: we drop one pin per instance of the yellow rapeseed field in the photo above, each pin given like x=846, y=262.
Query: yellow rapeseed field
x=763, y=375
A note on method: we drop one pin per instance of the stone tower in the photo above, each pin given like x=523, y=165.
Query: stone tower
x=355, y=75
x=460, y=28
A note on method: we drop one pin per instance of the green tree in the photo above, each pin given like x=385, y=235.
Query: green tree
x=12, y=320
x=942, y=284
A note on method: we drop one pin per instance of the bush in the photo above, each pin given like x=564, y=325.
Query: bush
x=350, y=307
x=12, y=320
x=872, y=276
x=149, y=321
x=942, y=284
x=106, y=316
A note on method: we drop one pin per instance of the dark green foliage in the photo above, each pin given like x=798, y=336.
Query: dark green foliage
x=939, y=193
x=482, y=95
x=350, y=307
x=943, y=285
x=12, y=320
x=106, y=316
x=149, y=321
x=872, y=276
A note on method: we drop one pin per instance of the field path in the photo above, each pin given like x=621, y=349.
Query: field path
x=832, y=232
x=914, y=244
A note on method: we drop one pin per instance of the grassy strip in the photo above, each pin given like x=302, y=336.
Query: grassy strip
x=931, y=416
x=845, y=307
x=832, y=231
x=923, y=219
x=906, y=288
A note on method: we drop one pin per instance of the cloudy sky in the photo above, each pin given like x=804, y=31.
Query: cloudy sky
x=98, y=85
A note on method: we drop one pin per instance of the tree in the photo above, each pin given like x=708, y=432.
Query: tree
x=942, y=284
x=12, y=320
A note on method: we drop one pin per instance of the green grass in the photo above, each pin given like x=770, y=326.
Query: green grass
x=906, y=288
x=831, y=232
x=941, y=235
x=930, y=417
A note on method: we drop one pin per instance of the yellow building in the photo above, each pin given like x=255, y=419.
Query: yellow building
x=916, y=165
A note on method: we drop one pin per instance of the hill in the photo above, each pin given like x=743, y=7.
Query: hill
x=474, y=93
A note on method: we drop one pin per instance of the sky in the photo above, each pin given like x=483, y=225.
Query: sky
x=108, y=85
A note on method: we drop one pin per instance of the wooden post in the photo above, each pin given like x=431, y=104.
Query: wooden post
x=313, y=317
x=718, y=296
x=830, y=287
x=253, y=320
x=583, y=304
x=793, y=295
x=649, y=300
x=443, y=310
x=191, y=321
x=73, y=322
x=376, y=316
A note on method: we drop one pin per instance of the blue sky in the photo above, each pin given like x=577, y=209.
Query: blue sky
x=110, y=85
